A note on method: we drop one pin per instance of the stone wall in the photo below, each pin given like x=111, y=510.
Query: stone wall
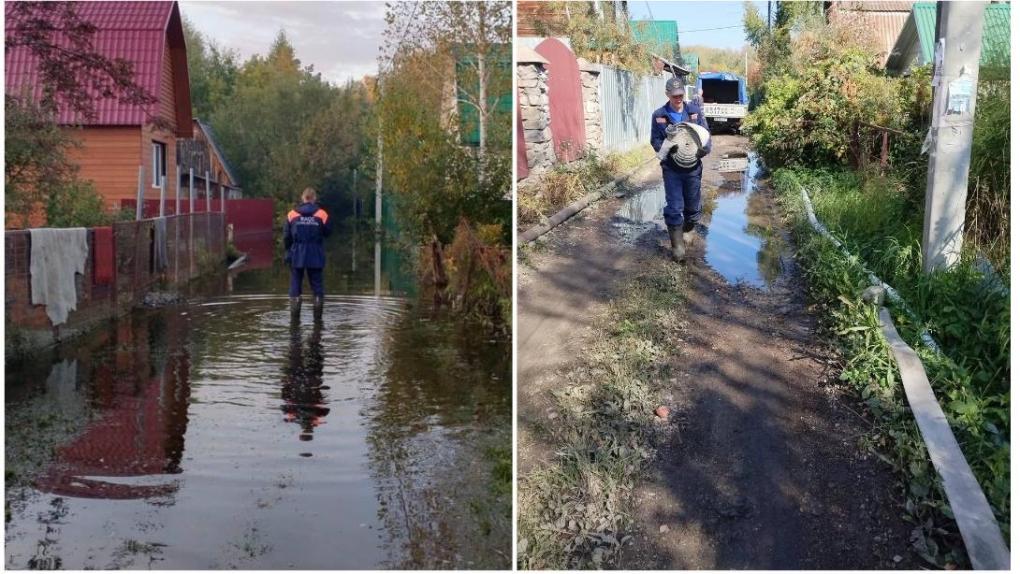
x=194, y=244
x=592, y=105
x=533, y=96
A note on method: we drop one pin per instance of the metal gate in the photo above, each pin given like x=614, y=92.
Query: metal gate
x=566, y=113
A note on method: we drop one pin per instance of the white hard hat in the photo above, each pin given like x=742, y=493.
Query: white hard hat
x=690, y=138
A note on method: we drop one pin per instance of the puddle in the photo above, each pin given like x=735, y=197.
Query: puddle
x=740, y=242
x=229, y=436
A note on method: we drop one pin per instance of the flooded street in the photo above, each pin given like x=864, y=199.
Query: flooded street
x=740, y=242
x=222, y=434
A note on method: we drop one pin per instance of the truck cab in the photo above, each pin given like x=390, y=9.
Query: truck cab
x=724, y=97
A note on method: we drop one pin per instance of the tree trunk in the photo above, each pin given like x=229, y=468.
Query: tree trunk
x=439, y=278
x=483, y=104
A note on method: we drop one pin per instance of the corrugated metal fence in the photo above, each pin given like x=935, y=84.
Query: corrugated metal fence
x=628, y=101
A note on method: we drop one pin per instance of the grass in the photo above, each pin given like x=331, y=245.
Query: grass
x=566, y=183
x=876, y=220
x=573, y=511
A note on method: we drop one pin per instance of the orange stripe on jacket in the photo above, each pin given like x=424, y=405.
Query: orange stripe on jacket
x=321, y=214
x=292, y=215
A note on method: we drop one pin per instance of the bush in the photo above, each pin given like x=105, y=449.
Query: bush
x=77, y=204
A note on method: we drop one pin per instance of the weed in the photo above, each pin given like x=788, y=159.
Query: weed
x=573, y=511
x=970, y=380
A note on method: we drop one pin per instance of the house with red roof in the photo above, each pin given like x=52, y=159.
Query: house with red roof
x=121, y=144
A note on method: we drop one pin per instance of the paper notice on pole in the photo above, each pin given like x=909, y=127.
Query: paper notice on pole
x=961, y=90
x=940, y=50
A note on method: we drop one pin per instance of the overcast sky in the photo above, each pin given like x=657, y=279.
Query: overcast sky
x=341, y=39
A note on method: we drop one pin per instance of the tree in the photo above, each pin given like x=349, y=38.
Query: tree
x=280, y=124
x=452, y=30
x=212, y=73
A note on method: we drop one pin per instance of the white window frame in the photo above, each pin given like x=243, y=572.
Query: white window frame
x=158, y=162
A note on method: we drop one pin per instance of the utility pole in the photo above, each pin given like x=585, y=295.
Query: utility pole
x=354, y=193
x=770, y=16
x=957, y=53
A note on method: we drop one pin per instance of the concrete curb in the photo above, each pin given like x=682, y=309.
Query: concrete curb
x=973, y=514
x=575, y=207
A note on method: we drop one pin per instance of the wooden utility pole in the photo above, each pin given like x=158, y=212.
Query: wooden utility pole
x=957, y=54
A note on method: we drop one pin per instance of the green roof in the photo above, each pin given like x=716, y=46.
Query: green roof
x=658, y=35
x=994, y=41
x=691, y=60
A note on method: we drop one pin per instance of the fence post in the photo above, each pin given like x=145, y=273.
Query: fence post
x=162, y=196
x=208, y=200
x=177, y=191
x=191, y=190
x=140, y=198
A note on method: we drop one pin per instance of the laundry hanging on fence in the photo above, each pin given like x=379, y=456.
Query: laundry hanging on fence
x=102, y=255
x=57, y=254
x=159, y=250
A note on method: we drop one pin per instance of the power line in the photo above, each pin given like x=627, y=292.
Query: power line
x=709, y=29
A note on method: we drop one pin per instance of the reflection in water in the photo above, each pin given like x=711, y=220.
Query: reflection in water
x=139, y=419
x=741, y=242
x=435, y=487
x=186, y=416
x=303, y=401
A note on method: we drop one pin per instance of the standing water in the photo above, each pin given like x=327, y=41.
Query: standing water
x=224, y=434
x=740, y=242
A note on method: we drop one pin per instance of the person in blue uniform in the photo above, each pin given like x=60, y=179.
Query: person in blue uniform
x=306, y=227
x=683, y=185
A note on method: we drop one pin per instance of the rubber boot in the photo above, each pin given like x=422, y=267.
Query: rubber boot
x=676, y=242
x=688, y=230
x=317, y=304
x=295, y=306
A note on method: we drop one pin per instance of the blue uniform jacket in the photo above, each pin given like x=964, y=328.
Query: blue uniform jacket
x=303, y=233
x=661, y=118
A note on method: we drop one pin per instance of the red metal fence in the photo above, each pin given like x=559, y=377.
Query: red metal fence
x=246, y=215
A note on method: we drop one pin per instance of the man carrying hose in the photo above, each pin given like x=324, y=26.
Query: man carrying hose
x=303, y=234
x=680, y=139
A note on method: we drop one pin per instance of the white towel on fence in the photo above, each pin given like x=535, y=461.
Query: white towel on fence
x=57, y=254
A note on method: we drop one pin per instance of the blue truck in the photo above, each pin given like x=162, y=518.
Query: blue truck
x=724, y=99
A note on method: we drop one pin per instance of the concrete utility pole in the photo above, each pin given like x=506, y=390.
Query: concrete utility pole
x=957, y=53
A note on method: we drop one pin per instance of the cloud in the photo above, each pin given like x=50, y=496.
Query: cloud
x=340, y=39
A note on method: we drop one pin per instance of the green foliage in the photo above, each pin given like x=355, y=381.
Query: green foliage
x=988, y=221
x=282, y=126
x=969, y=319
x=717, y=59
x=437, y=181
x=597, y=35
x=212, y=73
x=39, y=174
x=77, y=204
x=813, y=112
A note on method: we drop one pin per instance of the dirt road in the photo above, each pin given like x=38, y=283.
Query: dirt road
x=759, y=465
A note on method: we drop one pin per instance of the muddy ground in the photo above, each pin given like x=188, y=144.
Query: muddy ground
x=759, y=465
